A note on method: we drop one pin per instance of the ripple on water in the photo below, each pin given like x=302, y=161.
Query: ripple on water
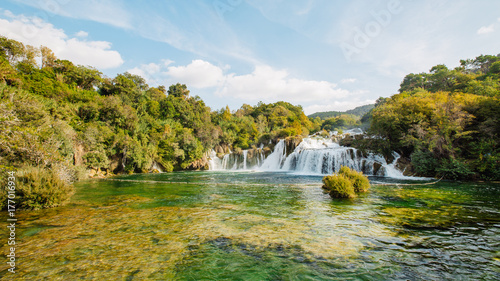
x=261, y=226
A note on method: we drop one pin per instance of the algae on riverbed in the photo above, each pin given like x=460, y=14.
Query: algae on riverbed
x=276, y=229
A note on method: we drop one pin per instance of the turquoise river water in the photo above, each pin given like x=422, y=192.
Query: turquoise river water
x=260, y=226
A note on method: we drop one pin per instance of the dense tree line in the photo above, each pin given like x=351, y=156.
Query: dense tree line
x=446, y=122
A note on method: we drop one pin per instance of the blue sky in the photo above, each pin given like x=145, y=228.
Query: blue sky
x=324, y=55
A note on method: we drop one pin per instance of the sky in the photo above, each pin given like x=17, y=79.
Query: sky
x=321, y=54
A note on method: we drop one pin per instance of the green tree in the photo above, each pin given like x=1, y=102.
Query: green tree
x=178, y=90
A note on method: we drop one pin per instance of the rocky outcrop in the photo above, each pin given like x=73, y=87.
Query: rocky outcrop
x=404, y=164
x=200, y=164
x=116, y=163
x=292, y=143
x=79, y=151
x=98, y=173
x=222, y=149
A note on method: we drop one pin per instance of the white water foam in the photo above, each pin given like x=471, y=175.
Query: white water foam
x=313, y=156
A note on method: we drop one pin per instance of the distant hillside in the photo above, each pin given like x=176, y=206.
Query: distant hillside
x=358, y=111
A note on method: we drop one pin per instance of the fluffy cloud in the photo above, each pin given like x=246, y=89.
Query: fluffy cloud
x=82, y=34
x=149, y=72
x=263, y=84
x=36, y=32
x=268, y=84
x=197, y=74
x=348, y=80
x=486, y=29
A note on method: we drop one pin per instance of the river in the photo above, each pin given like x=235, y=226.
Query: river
x=223, y=225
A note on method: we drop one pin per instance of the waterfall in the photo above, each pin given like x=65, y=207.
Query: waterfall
x=314, y=156
x=322, y=156
x=156, y=167
x=245, y=154
x=236, y=161
x=274, y=162
x=214, y=162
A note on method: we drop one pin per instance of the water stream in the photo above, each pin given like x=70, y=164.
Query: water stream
x=261, y=226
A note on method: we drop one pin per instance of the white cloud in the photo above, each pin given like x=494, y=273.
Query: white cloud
x=197, y=74
x=486, y=29
x=82, y=34
x=36, y=32
x=167, y=62
x=263, y=84
x=269, y=85
x=152, y=72
x=348, y=80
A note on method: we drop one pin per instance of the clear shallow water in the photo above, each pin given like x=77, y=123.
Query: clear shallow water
x=261, y=226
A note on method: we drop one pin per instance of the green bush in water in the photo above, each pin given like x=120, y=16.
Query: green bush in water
x=347, y=183
x=39, y=188
x=339, y=186
x=359, y=181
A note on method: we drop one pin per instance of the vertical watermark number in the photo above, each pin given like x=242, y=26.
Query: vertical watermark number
x=11, y=220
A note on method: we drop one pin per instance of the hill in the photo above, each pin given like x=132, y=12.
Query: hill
x=358, y=111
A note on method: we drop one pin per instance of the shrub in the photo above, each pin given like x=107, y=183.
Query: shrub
x=454, y=169
x=38, y=188
x=346, y=183
x=424, y=162
x=96, y=159
x=339, y=186
x=359, y=181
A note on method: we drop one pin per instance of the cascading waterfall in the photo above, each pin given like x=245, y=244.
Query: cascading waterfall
x=236, y=161
x=275, y=160
x=245, y=154
x=315, y=156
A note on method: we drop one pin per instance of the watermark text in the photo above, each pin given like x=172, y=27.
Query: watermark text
x=11, y=220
